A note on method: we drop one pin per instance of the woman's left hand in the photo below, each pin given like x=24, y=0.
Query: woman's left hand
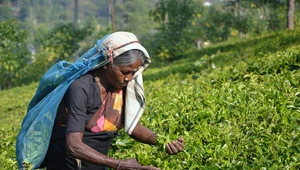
x=175, y=146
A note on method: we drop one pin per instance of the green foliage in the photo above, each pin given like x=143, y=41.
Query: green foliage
x=240, y=115
x=213, y=24
x=253, y=16
x=228, y=53
x=14, y=54
x=13, y=108
x=243, y=113
x=19, y=67
x=179, y=25
x=5, y=11
x=234, y=19
x=172, y=34
x=60, y=44
x=39, y=17
x=64, y=40
x=130, y=18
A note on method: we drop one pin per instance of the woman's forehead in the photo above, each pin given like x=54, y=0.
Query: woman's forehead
x=128, y=58
x=132, y=67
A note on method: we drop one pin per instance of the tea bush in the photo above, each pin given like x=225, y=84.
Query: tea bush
x=239, y=109
x=13, y=105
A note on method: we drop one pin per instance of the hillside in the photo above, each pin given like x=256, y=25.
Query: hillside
x=237, y=105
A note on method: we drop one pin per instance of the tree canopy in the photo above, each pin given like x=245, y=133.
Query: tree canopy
x=43, y=30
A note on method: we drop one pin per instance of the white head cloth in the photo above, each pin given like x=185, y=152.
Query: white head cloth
x=118, y=43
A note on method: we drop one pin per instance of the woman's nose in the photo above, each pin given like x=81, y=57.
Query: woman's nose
x=129, y=77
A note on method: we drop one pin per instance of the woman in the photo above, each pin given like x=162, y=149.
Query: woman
x=94, y=109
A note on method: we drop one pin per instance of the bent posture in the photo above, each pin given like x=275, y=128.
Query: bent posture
x=93, y=110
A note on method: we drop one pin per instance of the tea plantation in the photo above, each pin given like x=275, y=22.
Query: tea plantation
x=237, y=105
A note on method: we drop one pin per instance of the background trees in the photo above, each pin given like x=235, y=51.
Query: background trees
x=65, y=29
x=134, y=16
x=174, y=18
x=14, y=54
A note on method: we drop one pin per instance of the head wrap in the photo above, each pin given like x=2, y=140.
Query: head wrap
x=118, y=43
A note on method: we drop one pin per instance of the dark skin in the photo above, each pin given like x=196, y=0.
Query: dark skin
x=118, y=77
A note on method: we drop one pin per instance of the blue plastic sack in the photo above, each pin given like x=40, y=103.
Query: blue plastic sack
x=34, y=136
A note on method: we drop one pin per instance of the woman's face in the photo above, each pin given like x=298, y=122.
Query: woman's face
x=119, y=76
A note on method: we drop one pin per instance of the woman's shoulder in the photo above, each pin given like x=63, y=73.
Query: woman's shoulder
x=86, y=81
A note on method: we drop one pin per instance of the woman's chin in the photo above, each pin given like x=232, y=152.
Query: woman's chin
x=120, y=86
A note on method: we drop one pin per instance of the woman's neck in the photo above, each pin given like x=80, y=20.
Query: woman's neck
x=102, y=82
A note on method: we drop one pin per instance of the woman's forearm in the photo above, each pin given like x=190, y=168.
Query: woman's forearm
x=77, y=149
x=143, y=134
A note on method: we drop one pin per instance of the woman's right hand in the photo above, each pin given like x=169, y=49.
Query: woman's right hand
x=133, y=164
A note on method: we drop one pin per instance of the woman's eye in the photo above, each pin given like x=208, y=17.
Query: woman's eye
x=126, y=73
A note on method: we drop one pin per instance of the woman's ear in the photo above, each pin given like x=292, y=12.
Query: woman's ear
x=108, y=66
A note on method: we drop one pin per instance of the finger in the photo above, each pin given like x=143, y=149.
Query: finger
x=173, y=148
x=178, y=146
x=169, y=150
x=149, y=168
x=180, y=143
x=181, y=139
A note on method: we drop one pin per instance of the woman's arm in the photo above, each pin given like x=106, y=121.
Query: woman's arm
x=77, y=149
x=142, y=134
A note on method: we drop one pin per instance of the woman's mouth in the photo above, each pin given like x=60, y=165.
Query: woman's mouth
x=122, y=84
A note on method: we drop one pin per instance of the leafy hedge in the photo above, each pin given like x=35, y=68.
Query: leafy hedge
x=13, y=105
x=236, y=107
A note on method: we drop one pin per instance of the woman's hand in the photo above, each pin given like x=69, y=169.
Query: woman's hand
x=132, y=163
x=175, y=147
